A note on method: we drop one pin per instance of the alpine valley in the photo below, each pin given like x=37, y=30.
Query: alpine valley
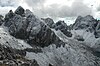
x=27, y=40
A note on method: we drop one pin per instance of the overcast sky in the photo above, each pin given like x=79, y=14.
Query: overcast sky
x=66, y=10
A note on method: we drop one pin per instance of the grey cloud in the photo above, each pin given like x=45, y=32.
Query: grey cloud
x=79, y=8
x=34, y=3
x=5, y=10
x=55, y=10
x=98, y=8
x=7, y=3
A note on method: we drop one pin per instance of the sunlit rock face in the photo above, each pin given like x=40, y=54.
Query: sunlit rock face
x=42, y=42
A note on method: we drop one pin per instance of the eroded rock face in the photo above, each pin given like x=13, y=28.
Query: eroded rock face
x=30, y=28
x=19, y=11
x=49, y=22
x=97, y=30
x=9, y=15
x=61, y=25
x=12, y=50
x=87, y=22
x=1, y=20
x=34, y=63
x=10, y=56
x=79, y=38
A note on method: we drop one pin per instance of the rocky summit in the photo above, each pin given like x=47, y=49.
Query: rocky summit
x=26, y=40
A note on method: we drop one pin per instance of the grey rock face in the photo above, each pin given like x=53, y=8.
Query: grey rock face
x=14, y=57
x=34, y=63
x=12, y=51
x=1, y=20
x=49, y=22
x=39, y=33
x=61, y=25
x=15, y=24
x=30, y=28
x=19, y=11
x=9, y=15
x=79, y=38
x=9, y=56
x=87, y=22
x=97, y=30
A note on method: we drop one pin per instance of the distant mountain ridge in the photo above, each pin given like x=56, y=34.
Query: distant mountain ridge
x=32, y=41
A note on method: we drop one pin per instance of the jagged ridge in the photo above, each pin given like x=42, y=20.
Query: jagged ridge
x=58, y=45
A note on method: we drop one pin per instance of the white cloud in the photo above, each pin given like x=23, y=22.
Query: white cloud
x=4, y=10
x=57, y=9
x=6, y=5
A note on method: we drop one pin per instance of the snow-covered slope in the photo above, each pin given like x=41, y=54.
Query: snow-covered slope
x=89, y=38
x=72, y=54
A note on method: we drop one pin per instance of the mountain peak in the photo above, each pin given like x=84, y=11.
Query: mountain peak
x=20, y=11
x=84, y=22
x=48, y=21
x=79, y=17
x=88, y=17
x=28, y=12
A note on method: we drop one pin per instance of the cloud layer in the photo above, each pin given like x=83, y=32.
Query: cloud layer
x=56, y=10
x=98, y=8
x=53, y=10
x=6, y=5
